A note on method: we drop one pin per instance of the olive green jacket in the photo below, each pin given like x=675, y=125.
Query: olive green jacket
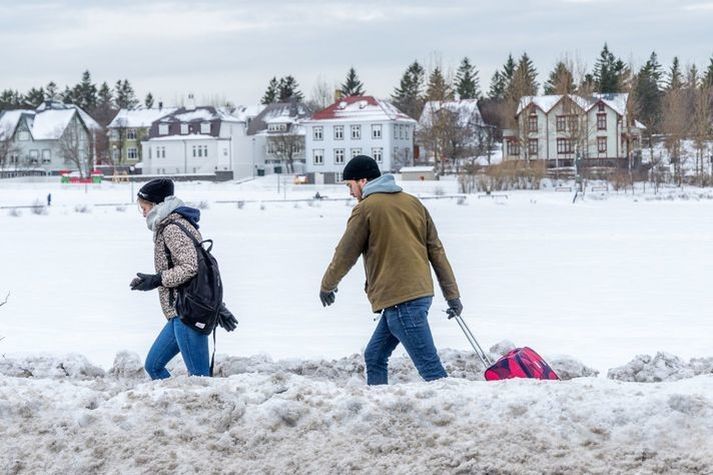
x=396, y=236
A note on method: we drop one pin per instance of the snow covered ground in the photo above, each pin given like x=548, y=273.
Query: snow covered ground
x=590, y=286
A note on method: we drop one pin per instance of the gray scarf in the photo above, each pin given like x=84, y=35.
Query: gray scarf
x=161, y=211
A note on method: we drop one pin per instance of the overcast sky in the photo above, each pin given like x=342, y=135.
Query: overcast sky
x=230, y=49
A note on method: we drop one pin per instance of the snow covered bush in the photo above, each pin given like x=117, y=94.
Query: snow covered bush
x=39, y=209
x=645, y=369
x=82, y=208
x=15, y=212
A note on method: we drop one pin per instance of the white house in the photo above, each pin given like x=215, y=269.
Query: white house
x=199, y=140
x=279, y=138
x=357, y=125
x=557, y=127
x=53, y=137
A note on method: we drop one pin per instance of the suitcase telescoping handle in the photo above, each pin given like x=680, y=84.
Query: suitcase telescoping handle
x=471, y=339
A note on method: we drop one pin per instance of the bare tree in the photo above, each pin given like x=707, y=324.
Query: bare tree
x=75, y=145
x=701, y=131
x=286, y=147
x=675, y=125
x=322, y=94
x=451, y=132
x=5, y=301
x=7, y=147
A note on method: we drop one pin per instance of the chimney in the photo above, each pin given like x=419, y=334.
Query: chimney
x=190, y=103
x=160, y=105
x=337, y=95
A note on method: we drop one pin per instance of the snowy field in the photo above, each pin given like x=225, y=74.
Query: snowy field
x=590, y=286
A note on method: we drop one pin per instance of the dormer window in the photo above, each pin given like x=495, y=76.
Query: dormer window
x=205, y=127
x=184, y=129
x=163, y=129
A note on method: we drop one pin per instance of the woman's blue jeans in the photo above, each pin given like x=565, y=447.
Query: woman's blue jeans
x=405, y=323
x=174, y=338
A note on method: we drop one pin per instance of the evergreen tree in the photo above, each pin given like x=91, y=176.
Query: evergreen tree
x=675, y=77
x=467, y=82
x=408, y=97
x=609, y=72
x=708, y=76
x=501, y=81
x=648, y=94
x=148, y=101
x=560, y=81
x=104, y=99
x=270, y=95
x=35, y=97
x=86, y=93
x=288, y=90
x=524, y=79
x=125, y=96
x=352, y=86
x=68, y=96
x=693, y=79
x=10, y=99
x=438, y=88
x=51, y=92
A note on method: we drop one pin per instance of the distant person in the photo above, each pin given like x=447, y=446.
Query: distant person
x=397, y=239
x=49, y=199
x=176, y=262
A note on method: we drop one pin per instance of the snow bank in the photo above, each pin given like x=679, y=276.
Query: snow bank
x=285, y=423
x=662, y=367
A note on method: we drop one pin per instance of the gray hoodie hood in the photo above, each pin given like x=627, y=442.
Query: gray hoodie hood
x=161, y=211
x=383, y=184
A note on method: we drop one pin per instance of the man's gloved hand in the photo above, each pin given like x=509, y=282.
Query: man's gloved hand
x=327, y=298
x=226, y=319
x=454, y=307
x=145, y=281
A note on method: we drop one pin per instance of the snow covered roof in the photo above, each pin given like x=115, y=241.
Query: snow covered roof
x=9, y=120
x=246, y=113
x=279, y=113
x=467, y=110
x=169, y=138
x=616, y=101
x=199, y=114
x=361, y=108
x=139, y=118
x=421, y=169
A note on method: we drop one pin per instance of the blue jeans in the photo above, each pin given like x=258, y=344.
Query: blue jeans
x=176, y=337
x=405, y=323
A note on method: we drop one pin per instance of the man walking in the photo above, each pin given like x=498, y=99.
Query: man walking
x=396, y=236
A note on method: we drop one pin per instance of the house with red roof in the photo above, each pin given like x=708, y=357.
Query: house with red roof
x=356, y=125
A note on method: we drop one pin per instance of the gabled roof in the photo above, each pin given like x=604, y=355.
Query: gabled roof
x=467, y=110
x=139, y=118
x=279, y=113
x=247, y=113
x=49, y=120
x=361, y=108
x=616, y=101
x=10, y=119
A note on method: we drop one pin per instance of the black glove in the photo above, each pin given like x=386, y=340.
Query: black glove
x=327, y=298
x=226, y=320
x=145, y=281
x=454, y=307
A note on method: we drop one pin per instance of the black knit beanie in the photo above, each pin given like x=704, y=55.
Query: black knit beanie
x=361, y=166
x=156, y=190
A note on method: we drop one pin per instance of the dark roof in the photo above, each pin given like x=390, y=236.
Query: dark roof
x=273, y=112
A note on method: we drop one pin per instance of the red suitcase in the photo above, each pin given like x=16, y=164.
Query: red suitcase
x=518, y=363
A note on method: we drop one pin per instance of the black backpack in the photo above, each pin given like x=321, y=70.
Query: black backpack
x=199, y=301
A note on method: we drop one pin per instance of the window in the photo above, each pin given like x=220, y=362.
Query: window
x=115, y=153
x=132, y=153
x=318, y=156
x=318, y=133
x=532, y=123
x=600, y=107
x=195, y=151
x=163, y=129
x=14, y=158
x=376, y=131
x=34, y=156
x=513, y=147
x=114, y=134
x=561, y=121
x=532, y=147
x=46, y=155
x=355, y=152
x=130, y=134
x=564, y=146
x=338, y=178
x=23, y=136
x=377, y=154
x=160, y=152
x=149, y=153
x=407, y=131
x=184, y=129
x=338, y=132
x=602, y=144
x=573, y=123
x=601, y=122
x=205, y=150
x=356, y=132
x=225, y=152
x=205, y=127
x=338, y=156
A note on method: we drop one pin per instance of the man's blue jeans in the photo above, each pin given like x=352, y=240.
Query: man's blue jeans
x=176, y=337
x=405, y=323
